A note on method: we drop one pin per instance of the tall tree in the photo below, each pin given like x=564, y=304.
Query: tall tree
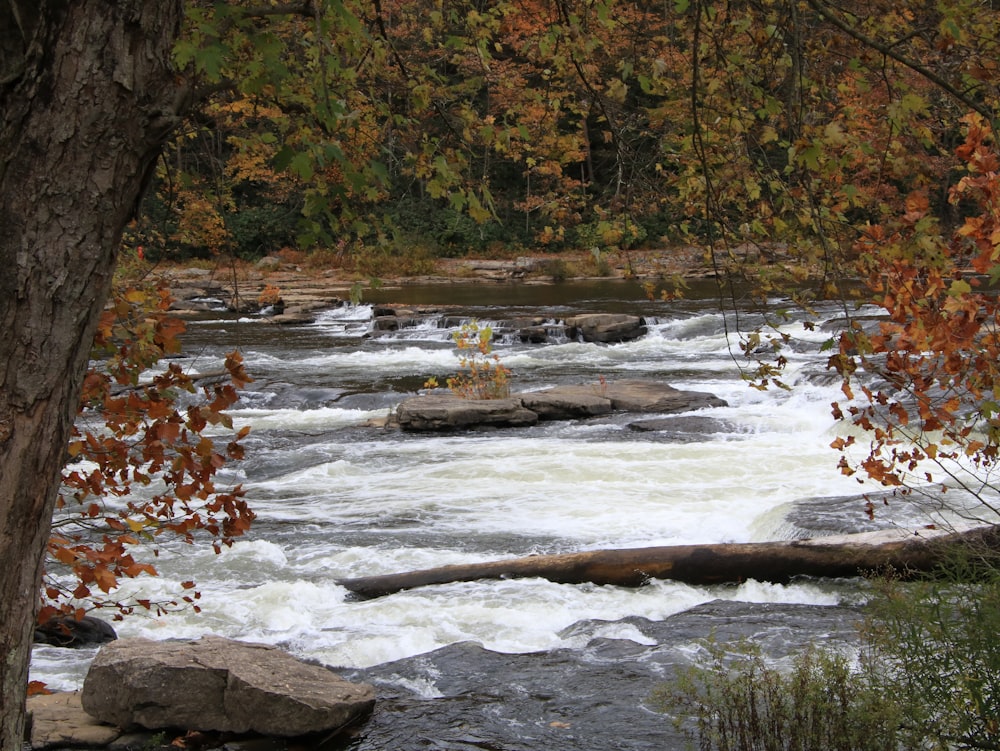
x=88, y=93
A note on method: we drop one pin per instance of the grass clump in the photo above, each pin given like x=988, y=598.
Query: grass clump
x=936, y=645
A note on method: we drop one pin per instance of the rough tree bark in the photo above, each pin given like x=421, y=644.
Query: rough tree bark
x=847, y=555
x=87, y=97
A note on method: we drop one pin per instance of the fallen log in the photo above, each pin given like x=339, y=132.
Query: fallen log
x=902, y=551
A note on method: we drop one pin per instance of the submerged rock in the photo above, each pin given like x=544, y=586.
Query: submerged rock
x=217, y=684
x=67, y=631
x=683, y=425
x=598, y=696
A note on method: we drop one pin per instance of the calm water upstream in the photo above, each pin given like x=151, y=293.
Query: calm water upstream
x=335, y=499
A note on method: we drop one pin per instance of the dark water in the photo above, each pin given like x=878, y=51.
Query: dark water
x=599, y=698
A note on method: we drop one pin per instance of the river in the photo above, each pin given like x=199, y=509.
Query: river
x=508, y=664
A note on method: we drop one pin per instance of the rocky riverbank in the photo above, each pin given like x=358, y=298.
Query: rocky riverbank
x=291, y=293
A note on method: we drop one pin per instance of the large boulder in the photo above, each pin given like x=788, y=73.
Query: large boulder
x=605, y=327
x=448, y=412
x=217, y=684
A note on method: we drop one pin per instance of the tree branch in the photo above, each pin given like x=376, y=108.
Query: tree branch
x=307, y=9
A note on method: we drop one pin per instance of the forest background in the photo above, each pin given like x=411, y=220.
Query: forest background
x=381, y=136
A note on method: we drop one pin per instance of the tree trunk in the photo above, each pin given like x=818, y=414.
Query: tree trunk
x=848, y=555
x=87, y=97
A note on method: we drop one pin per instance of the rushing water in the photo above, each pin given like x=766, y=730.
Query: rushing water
x=336, y=499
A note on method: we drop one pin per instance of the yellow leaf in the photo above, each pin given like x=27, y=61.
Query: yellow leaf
x=136, y=525
x=834, y=133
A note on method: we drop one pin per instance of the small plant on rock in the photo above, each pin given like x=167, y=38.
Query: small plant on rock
x=269, y=295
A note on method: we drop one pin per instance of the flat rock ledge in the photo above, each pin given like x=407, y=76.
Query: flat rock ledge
x=444, y=412
x=212, y=685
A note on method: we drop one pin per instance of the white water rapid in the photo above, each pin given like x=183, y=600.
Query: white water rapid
x=335, y=499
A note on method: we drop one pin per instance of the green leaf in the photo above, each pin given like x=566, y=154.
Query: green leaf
x=959, y=287
x=302, y=166
x=283, y=158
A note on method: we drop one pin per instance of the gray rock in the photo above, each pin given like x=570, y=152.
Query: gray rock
x=217, y=684
x=684, y=428
x=567, y=402
x=59, y=720
x=533, y=334
x=437, y=412
x=292, y=318
x=605, y=327
x=650, y=396
x=268, y=263
x=448, y=412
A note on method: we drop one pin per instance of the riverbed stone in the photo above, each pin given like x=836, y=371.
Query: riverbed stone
x=435, y=412
x=441, y=412
x=60, y=720
x=654, y=396
x=605, y=327
x=68, y=631
x=567, y=402
x=217, y=684
x=683, y=428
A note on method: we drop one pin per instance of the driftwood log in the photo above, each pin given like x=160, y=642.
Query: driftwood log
x=902, y=551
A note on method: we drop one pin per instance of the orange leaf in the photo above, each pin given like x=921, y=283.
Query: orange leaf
x=37, y=688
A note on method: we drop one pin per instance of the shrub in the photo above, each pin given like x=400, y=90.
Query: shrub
x=738, y=702
x=483, y=376
x=934, y=644
x=375, y=261
x=928, y=677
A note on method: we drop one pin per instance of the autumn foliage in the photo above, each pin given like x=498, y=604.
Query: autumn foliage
x=481, y=374
x=767, y=131
x=932, y=411
x=141, y=465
